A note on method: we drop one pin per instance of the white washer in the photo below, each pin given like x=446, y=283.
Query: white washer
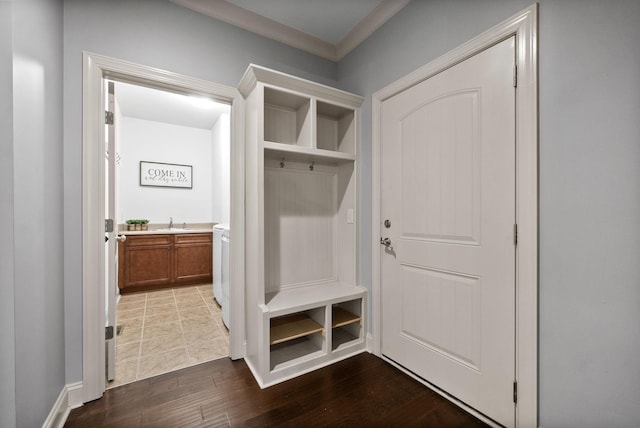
x=218, y=231
x=226, y=239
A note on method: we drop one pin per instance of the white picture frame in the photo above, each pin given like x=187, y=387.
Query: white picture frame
x=159, y=174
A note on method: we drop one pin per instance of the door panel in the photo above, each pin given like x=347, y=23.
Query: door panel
x=443, y=157
x=448, y=189
x=193, y=262
x=112, y=247
x=441, y=312
x=148, y=265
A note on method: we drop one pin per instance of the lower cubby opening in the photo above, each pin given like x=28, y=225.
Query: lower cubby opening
x=288, y=353
x=346, y=323
x=296, y=336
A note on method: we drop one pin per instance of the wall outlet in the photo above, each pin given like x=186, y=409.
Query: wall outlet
x=350, y=216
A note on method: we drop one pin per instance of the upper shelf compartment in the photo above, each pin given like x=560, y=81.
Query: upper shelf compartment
x=335, y=128
x=301, y=118
x=287, y=118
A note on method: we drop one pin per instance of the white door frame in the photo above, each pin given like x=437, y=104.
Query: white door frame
x=524, y=27
x=95, y=69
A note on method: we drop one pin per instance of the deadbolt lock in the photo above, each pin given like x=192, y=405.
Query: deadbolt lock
x=387, y=223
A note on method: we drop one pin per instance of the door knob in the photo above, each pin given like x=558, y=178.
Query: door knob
x=385, y=241
x=121, y=238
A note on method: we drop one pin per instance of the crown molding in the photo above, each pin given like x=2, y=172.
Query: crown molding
x=250, y=21
x=369, y=25
x=256, y=73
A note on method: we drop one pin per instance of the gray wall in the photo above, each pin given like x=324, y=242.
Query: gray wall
x=589, y=64
x=7, y=332
x=589, y=170
x=37, y=208
x=158, y=34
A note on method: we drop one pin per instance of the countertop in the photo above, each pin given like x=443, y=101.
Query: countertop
x=163, y=229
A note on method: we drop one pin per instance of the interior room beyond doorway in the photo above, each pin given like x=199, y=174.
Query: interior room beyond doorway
x=167, y=316
x=165, y=330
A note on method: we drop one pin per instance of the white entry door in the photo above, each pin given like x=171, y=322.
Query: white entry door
x=448, y=267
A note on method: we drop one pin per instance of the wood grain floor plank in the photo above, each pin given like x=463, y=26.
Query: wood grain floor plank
x=362, y=391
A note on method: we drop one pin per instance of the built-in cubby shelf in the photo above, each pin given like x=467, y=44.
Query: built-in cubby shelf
x=289, y=152
x=335, y=128
x=301, y=298
x=346, y=324
x=290, y=327
x=304, y=302
x=341, y=317
x=287, y=118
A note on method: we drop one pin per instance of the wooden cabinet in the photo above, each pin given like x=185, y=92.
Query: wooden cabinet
x=303, y=299
x=160, y=260
x=192, y=257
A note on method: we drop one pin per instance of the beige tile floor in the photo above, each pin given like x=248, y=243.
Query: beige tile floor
x=167, y=330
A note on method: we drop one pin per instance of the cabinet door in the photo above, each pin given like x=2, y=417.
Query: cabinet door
x=148, y=260
x=193, y=258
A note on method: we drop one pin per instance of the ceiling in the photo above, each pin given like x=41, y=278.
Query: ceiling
x=327, y=28
x=140, y=102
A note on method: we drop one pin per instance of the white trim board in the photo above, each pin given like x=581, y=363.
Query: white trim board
x=95, y=69
x=67, y=400
x=524, y=27
x=250, y=21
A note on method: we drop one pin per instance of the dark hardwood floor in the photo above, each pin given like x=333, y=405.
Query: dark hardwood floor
x=362, y=391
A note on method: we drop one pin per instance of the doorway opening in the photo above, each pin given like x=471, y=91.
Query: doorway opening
x=97, y=70
x=168, y=192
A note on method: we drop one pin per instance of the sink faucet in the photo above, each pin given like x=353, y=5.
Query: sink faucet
x=170, y=222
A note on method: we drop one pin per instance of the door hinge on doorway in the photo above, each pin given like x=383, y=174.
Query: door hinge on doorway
x=515, y=392
x=108, y=118
x=515, y=234
x=108, y=332
x=515, y=76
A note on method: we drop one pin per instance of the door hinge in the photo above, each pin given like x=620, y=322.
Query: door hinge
x=108, y=332
x=515, y=392
x=108, y=225
x=515, y=234
x=108, y=118
x=515, y=76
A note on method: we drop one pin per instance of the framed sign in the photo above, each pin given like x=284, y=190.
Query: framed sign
x=158, y=174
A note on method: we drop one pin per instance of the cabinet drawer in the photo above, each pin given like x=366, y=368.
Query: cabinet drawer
x=189, y=238
x=147, y=240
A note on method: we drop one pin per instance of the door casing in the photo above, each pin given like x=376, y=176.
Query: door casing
x=523, y=26
x=95, y=69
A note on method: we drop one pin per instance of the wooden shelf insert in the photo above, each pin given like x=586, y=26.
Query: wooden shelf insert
x=342, y=317
x=292, y=327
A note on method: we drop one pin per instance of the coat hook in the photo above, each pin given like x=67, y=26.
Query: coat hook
x=311, y=166
x=281, y=162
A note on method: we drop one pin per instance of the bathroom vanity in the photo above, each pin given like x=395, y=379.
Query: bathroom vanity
x=151, y=260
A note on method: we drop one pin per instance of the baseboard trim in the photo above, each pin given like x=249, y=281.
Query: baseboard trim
x=370, y=343
x=70, y=397
x=75, y=395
